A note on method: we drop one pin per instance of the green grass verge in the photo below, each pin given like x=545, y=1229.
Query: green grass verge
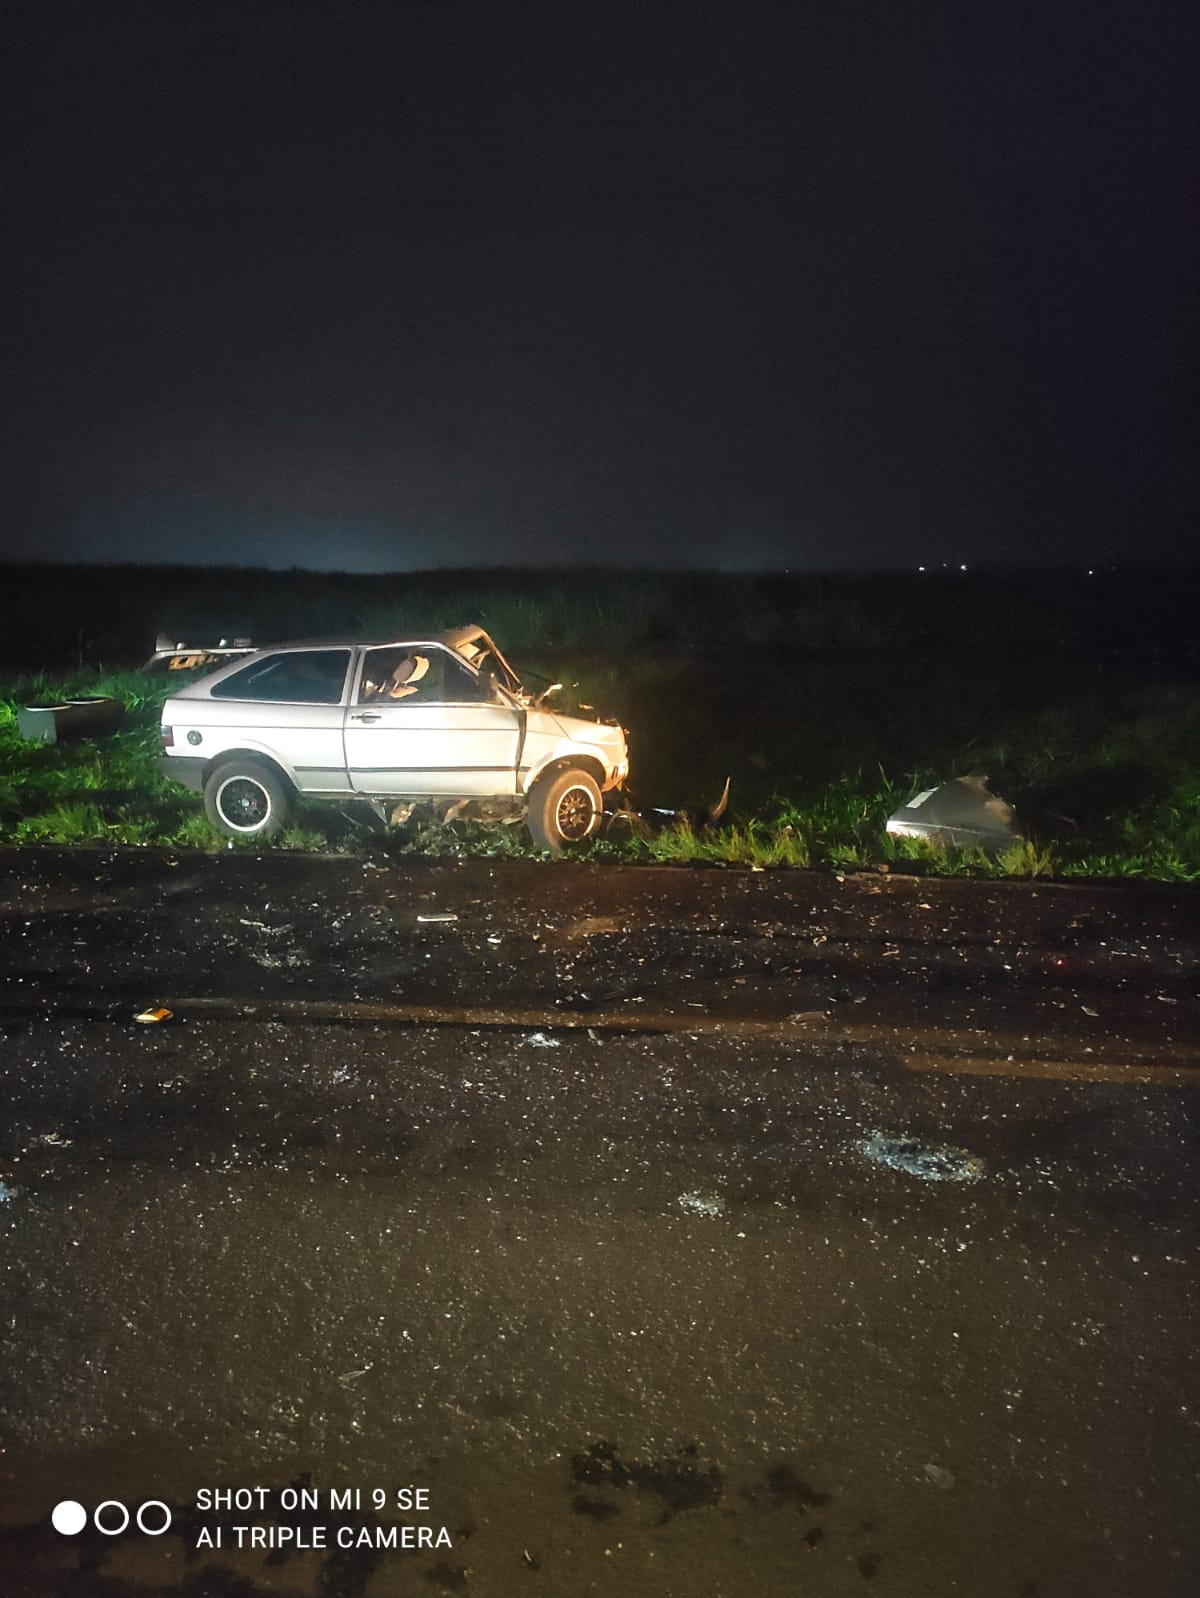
x=820, y=752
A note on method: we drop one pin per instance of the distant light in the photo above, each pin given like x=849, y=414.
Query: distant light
x=1091, y=571
x=920, y=568
x=962, y=568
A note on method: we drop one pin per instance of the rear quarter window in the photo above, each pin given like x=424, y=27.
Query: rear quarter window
x=298, y=676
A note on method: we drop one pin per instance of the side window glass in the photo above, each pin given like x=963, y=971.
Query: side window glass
x=463, y=687
x=400, y=675
x=298, y=676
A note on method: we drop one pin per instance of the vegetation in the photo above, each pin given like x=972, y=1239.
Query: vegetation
x=62, y=618
x=1105, y=768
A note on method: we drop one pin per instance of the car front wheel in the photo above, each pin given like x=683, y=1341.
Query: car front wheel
x=564, y=807
x=246, y=799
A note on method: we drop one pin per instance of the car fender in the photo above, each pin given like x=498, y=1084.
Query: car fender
x=251, y=749
x=567, y=752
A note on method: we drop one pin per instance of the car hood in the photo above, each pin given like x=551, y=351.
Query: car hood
x=585, y=732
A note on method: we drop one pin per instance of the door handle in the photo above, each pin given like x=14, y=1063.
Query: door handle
x=365, y=715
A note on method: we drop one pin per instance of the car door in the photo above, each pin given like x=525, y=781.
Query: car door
x=422, y=722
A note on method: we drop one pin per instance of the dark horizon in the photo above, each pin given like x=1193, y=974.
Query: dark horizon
x=696, y=286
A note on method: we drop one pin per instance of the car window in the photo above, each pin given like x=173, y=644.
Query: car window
x=463, y=686
x=401, y=673
x=300, y=676
x=418, y=675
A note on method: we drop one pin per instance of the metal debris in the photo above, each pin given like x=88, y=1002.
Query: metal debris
x=960, y=814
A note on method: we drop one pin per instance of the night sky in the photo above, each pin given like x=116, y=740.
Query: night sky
x=811, y=286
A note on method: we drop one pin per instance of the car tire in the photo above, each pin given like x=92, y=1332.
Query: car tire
x=564, y=807
x=247, y=799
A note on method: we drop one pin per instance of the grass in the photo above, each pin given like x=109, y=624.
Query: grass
x=820, y=751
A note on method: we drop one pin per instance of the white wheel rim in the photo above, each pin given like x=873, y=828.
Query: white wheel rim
x=244, y=807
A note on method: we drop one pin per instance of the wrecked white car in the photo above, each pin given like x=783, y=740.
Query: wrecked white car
x=436, y=719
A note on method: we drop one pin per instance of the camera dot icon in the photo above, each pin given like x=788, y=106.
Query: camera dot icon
x=69, y=1518
x=153, y=1518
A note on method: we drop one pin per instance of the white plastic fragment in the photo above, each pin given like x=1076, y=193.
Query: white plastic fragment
x=940, y=1476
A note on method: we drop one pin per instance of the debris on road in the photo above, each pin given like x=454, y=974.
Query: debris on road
x=940, y=1476
x=960, y=814
x=6, y=1192
x=702, y=1203
x=648, y=823
x=539, y=1040
x=927, y=1160
x=154, y=1016
x=438, y=915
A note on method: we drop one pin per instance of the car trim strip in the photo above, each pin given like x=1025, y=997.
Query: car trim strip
x=400, y=771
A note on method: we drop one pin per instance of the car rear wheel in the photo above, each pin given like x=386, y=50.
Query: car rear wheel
x=564, y=807
x=246, y=799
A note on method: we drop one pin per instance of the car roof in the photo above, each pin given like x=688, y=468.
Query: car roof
x=455, y=638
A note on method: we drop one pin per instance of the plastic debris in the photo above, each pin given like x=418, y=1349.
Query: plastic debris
x=6, y=1192
x=539, y=1040
x=438, y=915
x=929, y=1161
x=90, y=717
x=702, y=1203
x=152, y=1017
x=960, y=814
x=940, y=1476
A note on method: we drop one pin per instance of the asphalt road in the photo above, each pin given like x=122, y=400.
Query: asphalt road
x=676, y=1232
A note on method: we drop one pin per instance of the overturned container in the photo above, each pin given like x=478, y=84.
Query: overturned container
x=963, y=814
x=71, y=718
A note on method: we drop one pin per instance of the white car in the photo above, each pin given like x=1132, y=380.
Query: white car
x=437, y=718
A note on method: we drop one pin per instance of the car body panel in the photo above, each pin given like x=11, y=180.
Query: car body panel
x=551, y=740
x=454, y=750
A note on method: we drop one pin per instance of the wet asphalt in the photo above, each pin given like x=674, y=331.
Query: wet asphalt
x=677, y=1232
